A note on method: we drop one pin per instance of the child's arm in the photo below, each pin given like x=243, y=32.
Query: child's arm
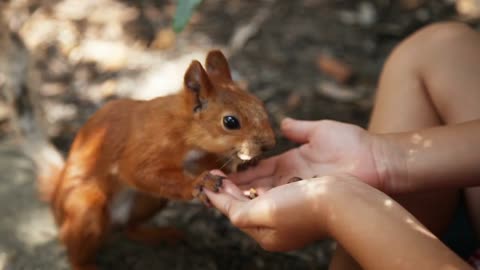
x=381, y=234
x=428, y=159
x=374, y=229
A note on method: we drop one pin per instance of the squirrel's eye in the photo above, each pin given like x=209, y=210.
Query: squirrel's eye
x=230, y=122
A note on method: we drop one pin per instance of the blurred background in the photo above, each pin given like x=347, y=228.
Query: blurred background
x=308, y=59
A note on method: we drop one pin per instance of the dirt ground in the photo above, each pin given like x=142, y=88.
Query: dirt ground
x=84, y=53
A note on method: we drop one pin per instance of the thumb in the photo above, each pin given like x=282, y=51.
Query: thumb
x=233, y=190
x=297, y=130
x=233, y=208
x=242, y=212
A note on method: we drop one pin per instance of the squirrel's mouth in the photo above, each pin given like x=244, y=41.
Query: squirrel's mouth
x=245, y=164
x=244, y=156
x=247, y=151
x=248, y=155
x=246, y=159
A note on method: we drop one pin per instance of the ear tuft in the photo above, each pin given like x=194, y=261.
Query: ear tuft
x=195, y=76
x=198, y=85
x=217, y=65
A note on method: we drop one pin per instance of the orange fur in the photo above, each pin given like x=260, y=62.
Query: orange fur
x=144, y=147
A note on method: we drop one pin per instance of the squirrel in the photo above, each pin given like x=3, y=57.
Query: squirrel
x=132, y=156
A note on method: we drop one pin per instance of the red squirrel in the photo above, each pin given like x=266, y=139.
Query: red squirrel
x=131, y=157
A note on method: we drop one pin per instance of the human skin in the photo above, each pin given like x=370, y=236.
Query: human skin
x=290, y=216
x=422, y=135
x=396, y=163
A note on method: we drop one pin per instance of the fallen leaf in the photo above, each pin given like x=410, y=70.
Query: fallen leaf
x=335, y=68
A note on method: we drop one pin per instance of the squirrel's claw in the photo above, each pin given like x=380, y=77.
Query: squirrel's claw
x=209, y=181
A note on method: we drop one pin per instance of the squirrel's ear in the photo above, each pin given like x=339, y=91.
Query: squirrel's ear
x=217, y=65
x=197, y=85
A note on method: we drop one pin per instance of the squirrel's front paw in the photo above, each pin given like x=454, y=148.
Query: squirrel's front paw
x=209, y=181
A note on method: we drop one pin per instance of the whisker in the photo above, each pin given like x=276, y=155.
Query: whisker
x=231, y=153
x=225, y=164
x=229, y=160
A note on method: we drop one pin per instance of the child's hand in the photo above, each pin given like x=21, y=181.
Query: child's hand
x=328, y=148
x=342, y=207
x=284, y=218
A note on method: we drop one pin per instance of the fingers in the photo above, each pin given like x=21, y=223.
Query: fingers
x=241, y=211
x=298, y=131
x=260, y=185
x=229, y=199
x=236, y=209
x=263, y=169
x=218, y=172
x=233, y=190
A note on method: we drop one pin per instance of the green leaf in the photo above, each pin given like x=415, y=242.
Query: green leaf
x=183, y=13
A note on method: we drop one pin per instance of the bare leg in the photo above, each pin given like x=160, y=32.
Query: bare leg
x=342, y=260
x=430, y=79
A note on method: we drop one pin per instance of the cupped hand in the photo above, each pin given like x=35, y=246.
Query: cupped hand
x=282, y=219
x=328, y=148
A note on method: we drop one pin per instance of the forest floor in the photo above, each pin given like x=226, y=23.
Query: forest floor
x=88, y=52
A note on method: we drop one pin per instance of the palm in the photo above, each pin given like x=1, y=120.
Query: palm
x=329, y=148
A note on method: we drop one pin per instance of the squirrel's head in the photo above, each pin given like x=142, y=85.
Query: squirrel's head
x=227, y=120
